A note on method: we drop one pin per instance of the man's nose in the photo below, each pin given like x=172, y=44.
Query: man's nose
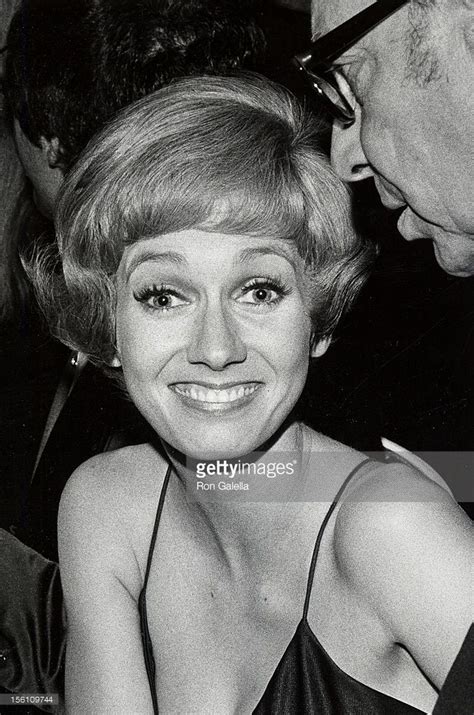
x=217, y=342
x=347, y=155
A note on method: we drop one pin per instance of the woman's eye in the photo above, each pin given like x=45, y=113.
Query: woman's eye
x=160, y=298
x=265, y=293
x=262, y=295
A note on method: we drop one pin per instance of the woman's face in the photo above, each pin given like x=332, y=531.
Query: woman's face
x=213, y=334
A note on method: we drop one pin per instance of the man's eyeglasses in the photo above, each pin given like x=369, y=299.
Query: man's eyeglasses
x=316, y=63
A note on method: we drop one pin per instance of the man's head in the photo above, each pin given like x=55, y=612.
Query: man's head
x=71, y=65
x=411, y=79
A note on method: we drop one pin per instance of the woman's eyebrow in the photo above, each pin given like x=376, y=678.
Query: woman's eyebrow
x=247, y=254
x=154, y=257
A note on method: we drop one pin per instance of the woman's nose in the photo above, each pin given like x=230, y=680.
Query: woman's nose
x=347, y=155
x=216, y=341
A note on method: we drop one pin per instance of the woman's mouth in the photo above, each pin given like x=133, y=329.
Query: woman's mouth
x=214, y=397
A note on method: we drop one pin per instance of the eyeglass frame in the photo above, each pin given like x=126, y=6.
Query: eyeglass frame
x=316, y=63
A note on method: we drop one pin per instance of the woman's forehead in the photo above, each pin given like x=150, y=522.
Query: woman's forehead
x=191, y=247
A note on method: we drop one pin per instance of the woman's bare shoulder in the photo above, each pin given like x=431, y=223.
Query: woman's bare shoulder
x=105, y=523
x=402, y=544
x=130, y=472
x=108, y=508
x=390, y=503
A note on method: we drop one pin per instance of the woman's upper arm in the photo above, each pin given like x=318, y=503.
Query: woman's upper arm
x=105, y=671
x=412, y=560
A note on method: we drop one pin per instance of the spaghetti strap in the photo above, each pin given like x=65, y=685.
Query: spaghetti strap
x=159, y=509
x=146, y=640
x=314, y=557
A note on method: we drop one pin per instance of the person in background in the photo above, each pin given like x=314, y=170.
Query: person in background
x=68, y=68
x=398, y=77
x=411, y=328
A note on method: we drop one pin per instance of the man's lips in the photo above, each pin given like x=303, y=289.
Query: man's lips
x=412, y=227
x=409, y=224
x=392, y=204
x=213, y=395
x=390, y=197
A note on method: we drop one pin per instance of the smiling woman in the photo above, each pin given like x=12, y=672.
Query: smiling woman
x=206, y=253
x=208, y=324
x=214, y=160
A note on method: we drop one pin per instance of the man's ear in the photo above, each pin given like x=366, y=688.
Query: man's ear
x=51, y=150
x=318, y=348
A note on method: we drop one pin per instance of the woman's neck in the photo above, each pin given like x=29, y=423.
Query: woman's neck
x=241, y=508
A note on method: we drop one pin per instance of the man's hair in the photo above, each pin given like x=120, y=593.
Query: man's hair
x=232, y=155
x=422, y=60
x=72, y=64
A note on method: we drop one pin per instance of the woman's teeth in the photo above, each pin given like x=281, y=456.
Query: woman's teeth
x=204, y=394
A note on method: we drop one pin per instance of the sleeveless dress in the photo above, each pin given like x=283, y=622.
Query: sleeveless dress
x=306, y=680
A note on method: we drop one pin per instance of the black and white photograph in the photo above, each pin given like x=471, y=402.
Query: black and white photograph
x=236, y=357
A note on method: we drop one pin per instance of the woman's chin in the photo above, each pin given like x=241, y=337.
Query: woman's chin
x=228, y=441
x=228, y=447
x=212, y=453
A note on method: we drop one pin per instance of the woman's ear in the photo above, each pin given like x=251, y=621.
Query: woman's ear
x=51, y=150
x=319, y=347
x=117, y=358
x=116, y=362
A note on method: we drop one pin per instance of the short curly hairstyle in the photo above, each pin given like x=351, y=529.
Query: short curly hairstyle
x=235, y=155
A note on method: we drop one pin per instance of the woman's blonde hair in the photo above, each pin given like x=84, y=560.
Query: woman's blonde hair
x=235, y=155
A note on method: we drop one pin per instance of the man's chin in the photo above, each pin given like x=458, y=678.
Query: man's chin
x=455, y=260
x=454, y=252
